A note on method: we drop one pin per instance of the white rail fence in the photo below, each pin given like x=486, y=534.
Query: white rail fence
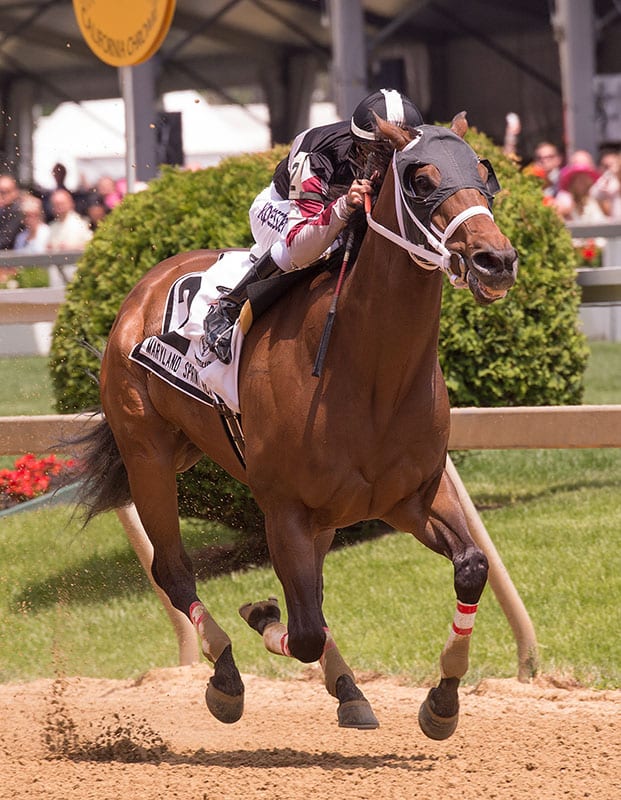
x=600, y=310
x=27, y=315
x=553, y=427
x=511, y=428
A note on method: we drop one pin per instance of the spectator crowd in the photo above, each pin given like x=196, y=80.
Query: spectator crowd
x=579, y=188
x=54, y=220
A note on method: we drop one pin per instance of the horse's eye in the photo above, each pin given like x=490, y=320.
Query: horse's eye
x=483, y=170
x=422, y=185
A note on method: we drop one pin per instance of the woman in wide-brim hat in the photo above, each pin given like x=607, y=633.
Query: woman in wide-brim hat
x=574, y=201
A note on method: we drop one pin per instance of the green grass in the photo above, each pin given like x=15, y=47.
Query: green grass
x=25, y=389
x=603, y=374
x=25, y=386
x=76, y=602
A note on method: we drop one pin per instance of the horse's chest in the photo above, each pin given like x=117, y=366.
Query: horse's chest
x=369, y=475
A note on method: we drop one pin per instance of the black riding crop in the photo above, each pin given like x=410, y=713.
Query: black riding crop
x=327, y=328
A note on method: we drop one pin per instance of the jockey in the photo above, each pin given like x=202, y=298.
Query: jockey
x=299, y=217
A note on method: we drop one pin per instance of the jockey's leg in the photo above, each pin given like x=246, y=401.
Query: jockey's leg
x=221, y=317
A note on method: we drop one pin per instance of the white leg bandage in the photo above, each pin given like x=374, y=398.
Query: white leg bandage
x=213, y=639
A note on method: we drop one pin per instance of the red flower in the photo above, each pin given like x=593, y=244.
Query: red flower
x=588, y=251
x=32, y=477
x=589, y=254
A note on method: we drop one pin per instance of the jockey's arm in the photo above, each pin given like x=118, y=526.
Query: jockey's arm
x=313, y=228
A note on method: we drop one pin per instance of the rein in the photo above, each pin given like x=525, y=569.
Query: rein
x=437, y=258
x=425, y=258
x=327, y=329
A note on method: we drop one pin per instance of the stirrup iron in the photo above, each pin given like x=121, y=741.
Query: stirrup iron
x=220, y=320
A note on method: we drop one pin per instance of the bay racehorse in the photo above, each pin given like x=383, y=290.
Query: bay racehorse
x=367, y=439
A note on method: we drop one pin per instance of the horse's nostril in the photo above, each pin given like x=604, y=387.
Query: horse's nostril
x=487, y=261
x=490, y=262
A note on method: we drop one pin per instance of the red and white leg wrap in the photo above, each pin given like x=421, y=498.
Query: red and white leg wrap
x=454, y=657
x=276, y=639
x=463, y=621
x=213, y=639
x=198, y=612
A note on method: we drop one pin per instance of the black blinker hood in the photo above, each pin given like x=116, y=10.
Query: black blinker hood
x=455, y=160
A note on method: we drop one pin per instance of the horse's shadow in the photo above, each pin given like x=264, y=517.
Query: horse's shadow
x=265, y=758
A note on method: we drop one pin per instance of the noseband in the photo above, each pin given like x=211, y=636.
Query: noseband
x=462, y=174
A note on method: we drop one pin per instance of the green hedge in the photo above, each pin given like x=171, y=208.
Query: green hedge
x=179, y=211
x=524, y=350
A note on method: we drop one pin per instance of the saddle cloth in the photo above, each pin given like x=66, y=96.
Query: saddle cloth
x=179, y=355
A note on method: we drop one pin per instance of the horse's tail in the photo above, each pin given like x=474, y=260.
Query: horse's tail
x=104, y=485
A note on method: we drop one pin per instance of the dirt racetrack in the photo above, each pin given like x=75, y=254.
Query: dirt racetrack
x=153, y=739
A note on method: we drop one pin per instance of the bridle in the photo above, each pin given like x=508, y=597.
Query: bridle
x=435, y=254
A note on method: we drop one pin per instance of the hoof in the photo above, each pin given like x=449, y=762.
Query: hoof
x=261, y=614
x=357, y=714
x=225, y=707
x=434, y=726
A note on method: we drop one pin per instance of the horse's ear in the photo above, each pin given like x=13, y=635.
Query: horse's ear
x=395, y=135
x=459, y=125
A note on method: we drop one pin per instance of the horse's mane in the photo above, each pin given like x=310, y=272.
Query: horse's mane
x=375, y=166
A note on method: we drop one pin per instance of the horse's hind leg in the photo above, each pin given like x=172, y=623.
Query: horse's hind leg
x=354, y=710
x=151, y=471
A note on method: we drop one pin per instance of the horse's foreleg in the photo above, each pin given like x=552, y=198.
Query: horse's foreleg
x=446, y=532
x=354, y=710
x=264, y=617
x=297, y=551
x=470, y=571
x=439, y=714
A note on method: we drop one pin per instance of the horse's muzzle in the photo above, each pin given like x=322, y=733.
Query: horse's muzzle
x=491, y=273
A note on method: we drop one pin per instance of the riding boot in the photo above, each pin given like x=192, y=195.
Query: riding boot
x=220, y=319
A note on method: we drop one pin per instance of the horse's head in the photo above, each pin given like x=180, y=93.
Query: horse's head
x=443, y=201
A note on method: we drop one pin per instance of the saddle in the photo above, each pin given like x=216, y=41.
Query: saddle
x=263, y=294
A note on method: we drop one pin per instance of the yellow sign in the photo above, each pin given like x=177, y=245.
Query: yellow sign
x=124, y=33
